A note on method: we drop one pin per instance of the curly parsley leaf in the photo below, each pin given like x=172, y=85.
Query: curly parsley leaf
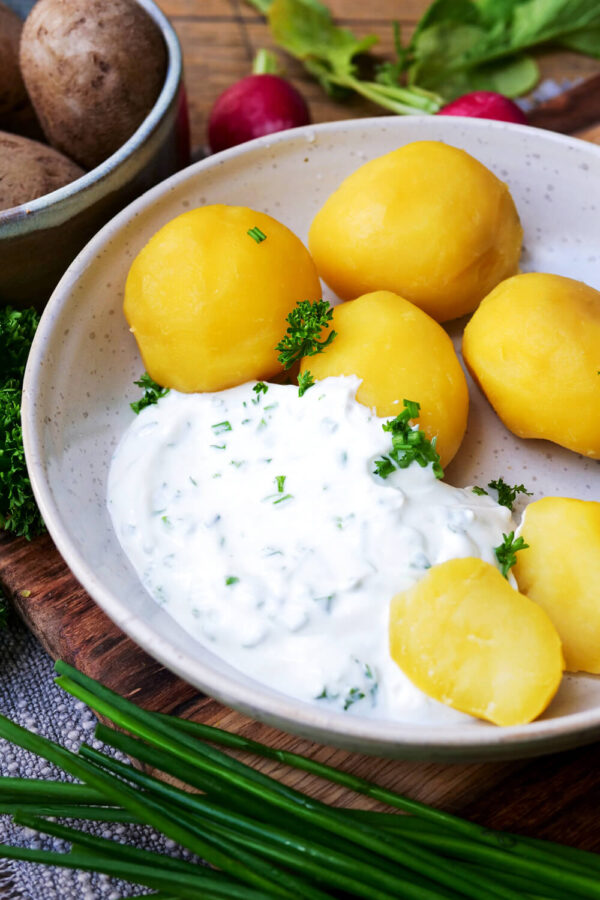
x=152, y=393
x=408, y=445
x=506, y=552
x=305, y=381
x=507, y=494
x=305, y=324
x=18, y=510
x=17, y=328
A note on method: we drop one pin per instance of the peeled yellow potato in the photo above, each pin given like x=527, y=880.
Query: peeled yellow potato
x=465, y=637
x=400, y=353
x=561, y=572
x=534, y=347
x=427, y=221
x=207, y=303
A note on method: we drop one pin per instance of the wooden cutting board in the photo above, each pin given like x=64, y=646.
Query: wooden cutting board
x=556, y=797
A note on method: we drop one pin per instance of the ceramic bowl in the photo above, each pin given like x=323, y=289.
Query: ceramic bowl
x=79, y=384
x=39, y=239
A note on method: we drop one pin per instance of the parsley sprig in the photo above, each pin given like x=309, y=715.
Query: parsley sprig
x=507, y=494
x=408, y=444
x=305, y=324
x=152, y=393
x=305, y=381
x=506, y=553
x=18, y=510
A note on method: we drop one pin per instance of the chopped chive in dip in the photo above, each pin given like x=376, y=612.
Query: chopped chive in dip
x=220, y=427
x=260, y=388
x=256, y=234
x=231, y=579
x=280, y=479
x=353, y=696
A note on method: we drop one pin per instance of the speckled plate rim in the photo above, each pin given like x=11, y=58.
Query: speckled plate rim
x=466, y=742
x=59, y=203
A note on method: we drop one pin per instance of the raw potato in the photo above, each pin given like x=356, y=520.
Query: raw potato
x=12, y=89
x=534, y=347
x=29, y=170
x=561, y=572
x=465, y=637
x=400, y=353
x=207, y=303
x=93, y=70
x=427, y=221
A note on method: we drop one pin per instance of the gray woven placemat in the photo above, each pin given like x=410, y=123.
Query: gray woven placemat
x=29, y=697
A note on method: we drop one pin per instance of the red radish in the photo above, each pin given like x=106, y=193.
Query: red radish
x=485, y=105
x=258, y=104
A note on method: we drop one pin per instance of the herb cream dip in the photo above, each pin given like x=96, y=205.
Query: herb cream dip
x=255, y=519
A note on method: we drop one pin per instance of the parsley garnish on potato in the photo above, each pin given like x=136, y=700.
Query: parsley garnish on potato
x=305, y=324
x=506, y=552
x=152, y=393
x=305, y=381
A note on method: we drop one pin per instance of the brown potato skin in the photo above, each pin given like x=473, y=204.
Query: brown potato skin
x=12, y=89
x=93, y=70
x=29, y=169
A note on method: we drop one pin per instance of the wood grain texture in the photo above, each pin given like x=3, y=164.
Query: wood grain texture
x=555, y=797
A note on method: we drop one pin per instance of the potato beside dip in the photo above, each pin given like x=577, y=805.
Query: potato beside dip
x=427, y=221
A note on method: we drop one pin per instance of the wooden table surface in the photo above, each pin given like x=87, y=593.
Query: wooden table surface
x=555, y=797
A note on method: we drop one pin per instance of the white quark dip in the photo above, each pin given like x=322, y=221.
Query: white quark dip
x=255, y=519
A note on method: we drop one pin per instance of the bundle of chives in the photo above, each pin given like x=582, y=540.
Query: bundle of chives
x=260, y=838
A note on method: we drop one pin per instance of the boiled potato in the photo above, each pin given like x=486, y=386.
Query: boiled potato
x=427, y=221
x=29, y=170
x=12, y=89
x=465, y=637
x=400, y=353
x=561, y=572
x=93, y=70
x=534, y=347
x=207, y=304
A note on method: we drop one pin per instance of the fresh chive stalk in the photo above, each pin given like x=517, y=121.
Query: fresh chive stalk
x=338, y=866
x=265, y=839
x=114, y=849
x=71, y=811
x=198, y=887
x=243, y=778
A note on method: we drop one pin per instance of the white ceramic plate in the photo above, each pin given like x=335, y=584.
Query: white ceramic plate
x=78, y=387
